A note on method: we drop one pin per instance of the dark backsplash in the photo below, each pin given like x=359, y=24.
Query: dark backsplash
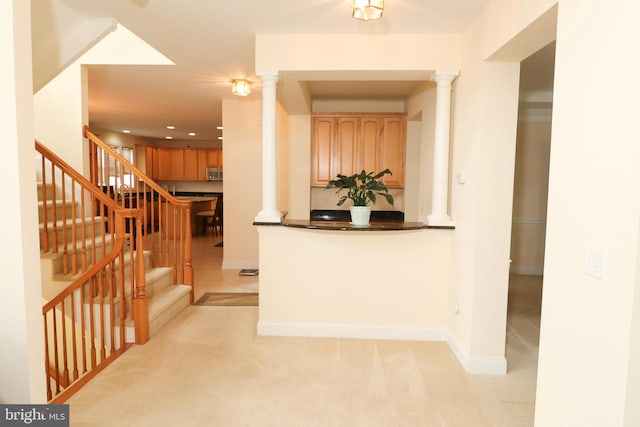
x=343, y=215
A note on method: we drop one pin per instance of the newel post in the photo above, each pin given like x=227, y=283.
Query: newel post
x=187, y=268
x=140, y=301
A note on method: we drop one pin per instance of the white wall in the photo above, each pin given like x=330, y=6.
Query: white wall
x=589, y=326
x=299, y=166
x=301, y=52
x=22, y=350
x=61, y=106
x=419, y=178
x=242, y=157
x=324, y=290
x=283, y=159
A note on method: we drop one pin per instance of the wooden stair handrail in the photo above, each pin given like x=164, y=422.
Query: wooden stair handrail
x=62, y=356
x=111, y=256
x=151, y=183
x=180, y=252
x=86, y=184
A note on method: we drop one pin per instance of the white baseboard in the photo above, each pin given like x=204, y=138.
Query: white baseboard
x=477, y=365
x=238, y=265
x=473, y=365
x=335, y=330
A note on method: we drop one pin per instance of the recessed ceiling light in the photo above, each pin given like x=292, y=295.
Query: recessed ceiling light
x=220, y=138
x=219, y=128
x=168, y=137
x=171, y=127
x=192, y=134
x=126, y=131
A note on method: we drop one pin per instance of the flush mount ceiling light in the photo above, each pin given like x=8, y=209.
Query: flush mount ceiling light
x=368, y=9
x=241, y=87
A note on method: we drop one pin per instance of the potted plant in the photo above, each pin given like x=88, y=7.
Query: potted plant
x=362, y=189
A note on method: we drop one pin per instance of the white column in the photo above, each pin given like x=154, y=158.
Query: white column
x=440, y=192
x=269, y=212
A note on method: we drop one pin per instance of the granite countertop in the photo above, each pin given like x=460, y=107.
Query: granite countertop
x=346, y=225
x=338, y=220
x=197, y=198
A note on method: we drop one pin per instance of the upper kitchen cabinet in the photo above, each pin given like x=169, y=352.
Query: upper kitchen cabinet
x=191, y=170
x=214, y=158
x=346, y=143
x=323, y=146
x=181, y=164
x=151, y=162
x=170, y=164
x=392, y=148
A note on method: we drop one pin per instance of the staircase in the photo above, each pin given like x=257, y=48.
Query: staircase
x=111, y=276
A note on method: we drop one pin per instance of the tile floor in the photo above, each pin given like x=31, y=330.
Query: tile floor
x=209, y=368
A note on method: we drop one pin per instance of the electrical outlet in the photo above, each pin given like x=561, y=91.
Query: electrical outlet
x=594, y=263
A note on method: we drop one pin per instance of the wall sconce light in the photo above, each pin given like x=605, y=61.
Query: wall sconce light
x=241, y=87
x=368, y=9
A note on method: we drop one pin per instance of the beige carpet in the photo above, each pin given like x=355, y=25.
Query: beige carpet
x=209, y=368
x=228, y=299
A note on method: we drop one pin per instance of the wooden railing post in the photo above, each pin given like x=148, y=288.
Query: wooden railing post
x=140, y=301
x=188, y=267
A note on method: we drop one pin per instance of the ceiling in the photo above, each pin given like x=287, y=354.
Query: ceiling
x=211, y=43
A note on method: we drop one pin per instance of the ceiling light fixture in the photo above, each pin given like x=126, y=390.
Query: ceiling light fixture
x=126, y=131
x=171, y=127
x=241, y=87
x=192, y=134
x=168, y=137
x=366, y=10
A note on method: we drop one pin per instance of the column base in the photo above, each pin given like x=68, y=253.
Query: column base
x=439, y=220
x=274, y=217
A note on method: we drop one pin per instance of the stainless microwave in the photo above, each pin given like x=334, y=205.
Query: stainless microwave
x=214, y=174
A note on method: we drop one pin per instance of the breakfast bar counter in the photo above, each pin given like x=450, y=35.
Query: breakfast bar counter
x=390, y=280
x=347, y=226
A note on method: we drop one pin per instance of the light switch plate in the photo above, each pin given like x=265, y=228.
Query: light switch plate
x=594, y=263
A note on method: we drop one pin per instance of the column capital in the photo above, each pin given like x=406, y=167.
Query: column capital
x=269, y=77
x=445, y=76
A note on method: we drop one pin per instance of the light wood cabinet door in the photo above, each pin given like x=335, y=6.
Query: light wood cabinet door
x=164, y=164
x=177, y=164
x=151, y=162
x=322, y=150
x=392, y=150
x=345, y=160
x=202, y=165
x=347, y=143
x=191, y=170
x=369, y=149
x=214, y=158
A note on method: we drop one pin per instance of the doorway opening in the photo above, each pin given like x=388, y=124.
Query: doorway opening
x=531, y=178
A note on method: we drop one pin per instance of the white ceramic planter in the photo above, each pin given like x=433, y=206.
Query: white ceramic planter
x=360, y=215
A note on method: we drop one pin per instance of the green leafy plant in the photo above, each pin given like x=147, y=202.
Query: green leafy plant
x=362, y=187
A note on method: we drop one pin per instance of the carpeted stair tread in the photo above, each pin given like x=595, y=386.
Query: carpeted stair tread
x=163, y=299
